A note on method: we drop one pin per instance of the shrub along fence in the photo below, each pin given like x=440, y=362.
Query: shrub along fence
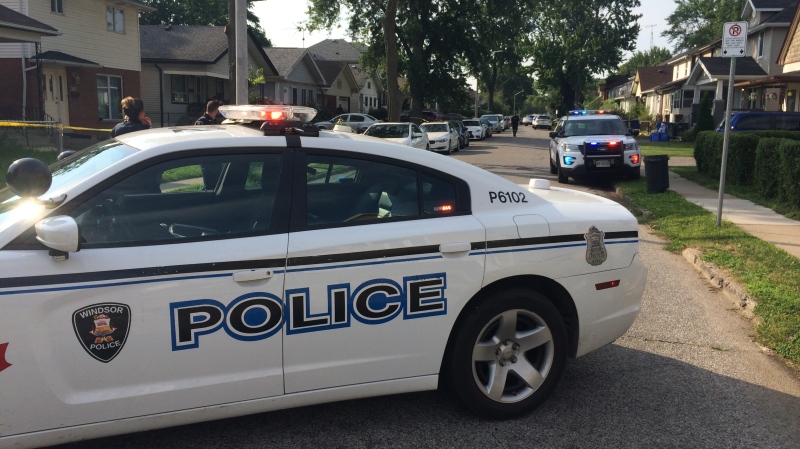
x=767, y=159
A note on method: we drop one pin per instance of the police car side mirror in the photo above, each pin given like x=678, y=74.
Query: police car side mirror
x=60, y=234
x=634, y=132
x=417, y=135
x=553, y=134
x=29, y=177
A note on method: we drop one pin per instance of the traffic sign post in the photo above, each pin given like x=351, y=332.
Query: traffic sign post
x=734, y=45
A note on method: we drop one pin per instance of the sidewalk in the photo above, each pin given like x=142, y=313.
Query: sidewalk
x=758, y=221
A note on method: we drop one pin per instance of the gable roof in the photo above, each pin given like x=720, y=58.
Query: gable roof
x=614, y=81
x=198, y=44
x=16, y=22
x=285, y=58
x=651, y=77
x=716, y=69
x=335, y=50
x=789, y=40
x=785, y=16
x=65, y=59
x=330, y=70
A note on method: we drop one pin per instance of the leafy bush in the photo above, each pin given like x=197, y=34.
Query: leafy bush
x=379, y=113
x=741, y=155
x=789, y=172
x=768, y=167
x=705, y=121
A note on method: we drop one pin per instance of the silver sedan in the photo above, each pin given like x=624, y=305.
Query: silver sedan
x=359, y=122
x=408, y=134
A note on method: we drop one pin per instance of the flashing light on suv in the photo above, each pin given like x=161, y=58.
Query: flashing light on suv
x=590, y=112
x=269, y=112
x=569, y=160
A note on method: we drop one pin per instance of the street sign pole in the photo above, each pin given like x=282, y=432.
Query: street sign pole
x=734, y=45
x=725, y=140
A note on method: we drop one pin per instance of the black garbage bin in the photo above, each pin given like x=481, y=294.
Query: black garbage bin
x=656, y=170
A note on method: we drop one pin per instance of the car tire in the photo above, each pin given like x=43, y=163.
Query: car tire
x=635, y=174
x=427, y=147
x=562, y=177
x=509, y=354
x=449, y=148
x=553, y=169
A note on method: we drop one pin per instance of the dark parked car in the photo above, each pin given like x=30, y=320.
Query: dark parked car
x=763, y=120
x=463, y=134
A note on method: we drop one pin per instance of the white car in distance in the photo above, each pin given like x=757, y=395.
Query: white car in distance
x=477, y=130
x=442, y=136
x=408, y=134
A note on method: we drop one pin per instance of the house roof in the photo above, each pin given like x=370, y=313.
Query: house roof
x=615, y=80
x=763, y=5
x=785, y=16
x=285, y=58
x=666, y=88
x=65, y=59
x=13, y=21
x=199, y=44
x=138, y=5
x=335, y=50
x=721, y=67
x=651, y=77
x=330, y=70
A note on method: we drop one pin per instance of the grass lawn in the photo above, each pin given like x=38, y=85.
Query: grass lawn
x=771, y=275
x=671, y=148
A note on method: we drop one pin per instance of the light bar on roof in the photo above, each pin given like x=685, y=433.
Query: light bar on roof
x=268, y=112
x=590, y=112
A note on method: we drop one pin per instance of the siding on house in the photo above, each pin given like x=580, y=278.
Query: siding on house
x=84, y=33
x=302, y=74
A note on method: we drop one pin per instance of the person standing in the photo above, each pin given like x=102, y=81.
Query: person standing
x=514, y=124
x=212, y=112
x=135, y=119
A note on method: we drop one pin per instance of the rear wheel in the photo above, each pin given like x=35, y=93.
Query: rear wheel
x=509, y=354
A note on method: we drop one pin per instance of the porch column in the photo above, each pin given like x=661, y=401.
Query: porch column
x=718, y=111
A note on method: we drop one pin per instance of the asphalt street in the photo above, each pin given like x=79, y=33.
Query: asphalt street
x=686, y=375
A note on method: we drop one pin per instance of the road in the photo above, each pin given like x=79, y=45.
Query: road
x=686, y=375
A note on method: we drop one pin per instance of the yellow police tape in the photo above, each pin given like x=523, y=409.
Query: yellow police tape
x=47, y=125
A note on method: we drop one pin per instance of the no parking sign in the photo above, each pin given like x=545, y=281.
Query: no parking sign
x=734, y=39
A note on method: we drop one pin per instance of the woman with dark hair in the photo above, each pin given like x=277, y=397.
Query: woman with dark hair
x=135, y=120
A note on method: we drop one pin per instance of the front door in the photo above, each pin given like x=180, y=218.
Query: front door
x=56, y=103
x=172, y=303
x=379, y=273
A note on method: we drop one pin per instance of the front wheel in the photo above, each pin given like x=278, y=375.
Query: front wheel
x=553, y=169
x=509, y=354
x=562, y=177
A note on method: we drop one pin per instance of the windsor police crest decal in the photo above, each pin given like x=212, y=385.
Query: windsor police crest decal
x=595, y=247
x=102, y=329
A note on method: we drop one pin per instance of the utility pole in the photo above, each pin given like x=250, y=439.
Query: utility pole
x=651, y=34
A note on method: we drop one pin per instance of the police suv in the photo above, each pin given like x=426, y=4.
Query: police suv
x=588, y=142
x=185, y=274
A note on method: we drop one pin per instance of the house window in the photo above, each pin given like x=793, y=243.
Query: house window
x=115, y=19
x=57, y=6
x=180, y=92
x=366, y=102
x=109, y=96
x=294, y=95
x=303, y=94
x=760, y=44
x=369, y=85
x=688, y=97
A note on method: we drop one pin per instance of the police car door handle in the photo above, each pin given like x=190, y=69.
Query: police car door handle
x=458, y=247
x=252, y=275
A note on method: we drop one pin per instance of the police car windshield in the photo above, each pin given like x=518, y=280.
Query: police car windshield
x=612, y=127
x=69, y=171
x=387, y=131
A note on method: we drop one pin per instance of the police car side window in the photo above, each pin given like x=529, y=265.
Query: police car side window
x=351, y=191
x=198, y=198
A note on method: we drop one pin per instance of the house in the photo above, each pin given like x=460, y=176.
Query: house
x=645, y=81
x=606, y=86
x=370, y=88
x=340, y=86
x=298, y=78
x=185, y=66
x=623, y=95
x=79, y=74
x=789, y=60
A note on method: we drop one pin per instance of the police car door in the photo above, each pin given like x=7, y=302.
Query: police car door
x=378, y=267
x=172, y=303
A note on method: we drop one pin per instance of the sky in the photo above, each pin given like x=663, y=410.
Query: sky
x=280, y=23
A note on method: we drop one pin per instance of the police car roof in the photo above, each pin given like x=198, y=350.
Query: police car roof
x=591, y=117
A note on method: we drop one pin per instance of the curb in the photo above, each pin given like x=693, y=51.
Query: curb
x=717, y=277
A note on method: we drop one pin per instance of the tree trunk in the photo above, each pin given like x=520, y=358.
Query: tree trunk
x=230, y=30
x=490, y=87
x=418, y=64
x=390, y=43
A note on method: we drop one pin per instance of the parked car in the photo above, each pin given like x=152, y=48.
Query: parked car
x=442, y=136
x=477, y=130
x=496, y=121
x=408, y=134
x=488, y=124
x=295, y=272
x=763, y=120
x=542, y=121
x=527, y=120
x=359, y=122
x=463, y=135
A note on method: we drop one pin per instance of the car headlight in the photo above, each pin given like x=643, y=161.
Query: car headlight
x=566, y=148
x=632, y=146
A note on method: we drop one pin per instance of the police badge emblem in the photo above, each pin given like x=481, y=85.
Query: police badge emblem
x=102, y=329
x=595, y=247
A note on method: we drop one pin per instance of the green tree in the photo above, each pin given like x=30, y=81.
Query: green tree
x=705, y=121
x=432, y=39
x=199, y=12
x=643, y=59
x=576, y=39
x=698, y=22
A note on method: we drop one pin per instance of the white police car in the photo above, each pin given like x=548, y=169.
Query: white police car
x=593, y=142
x=184, y=274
